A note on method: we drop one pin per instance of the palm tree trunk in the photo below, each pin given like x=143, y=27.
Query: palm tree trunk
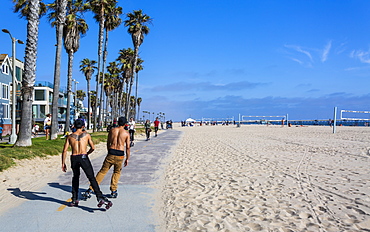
x=88, y=105
x=29, y=77
x=58, y=53
x=106, y=108
x=101, y=38
x=105, y=53
x=131, y=80
x=69, y=90
x=136, y=84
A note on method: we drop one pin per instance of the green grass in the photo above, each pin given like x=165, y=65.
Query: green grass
x=40, y=147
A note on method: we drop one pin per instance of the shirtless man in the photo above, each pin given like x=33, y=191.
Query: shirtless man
x=118, y=140
x=80, y=159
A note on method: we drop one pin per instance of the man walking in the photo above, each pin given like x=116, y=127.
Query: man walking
x=78, y=141
x=156, y=126
x=118, y=142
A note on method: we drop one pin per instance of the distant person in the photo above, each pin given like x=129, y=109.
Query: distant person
x=1, y=132
x=282, y=122
x=37, y=129
x=156, y=126
x=118, y=142
x=47, y=125
x=80, y=159
x=147, y=129
x=131, y=130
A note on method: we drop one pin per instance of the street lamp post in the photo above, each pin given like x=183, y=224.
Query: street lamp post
x=13, y=137
x=75, y=97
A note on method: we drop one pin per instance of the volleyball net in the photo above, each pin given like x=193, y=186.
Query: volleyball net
x=264, y=119
x=354, y=115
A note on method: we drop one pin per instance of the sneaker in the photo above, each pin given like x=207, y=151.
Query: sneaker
x=114, y=194
x=132, y=144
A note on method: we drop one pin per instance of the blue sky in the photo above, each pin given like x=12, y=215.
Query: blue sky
x=221, y=58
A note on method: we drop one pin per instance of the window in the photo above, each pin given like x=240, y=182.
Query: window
x=39, y=95
x=5, y=69
x=5, y=109
x=5, y=91
x=18, y=73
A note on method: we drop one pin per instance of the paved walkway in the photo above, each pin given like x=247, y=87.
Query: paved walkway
x=46, y=210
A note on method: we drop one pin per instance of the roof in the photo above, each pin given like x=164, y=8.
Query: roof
x=3, y=57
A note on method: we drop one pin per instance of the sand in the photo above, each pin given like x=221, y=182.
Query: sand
x=253, y=178
x=259, y=178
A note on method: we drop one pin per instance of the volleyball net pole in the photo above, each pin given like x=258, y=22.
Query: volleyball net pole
x=335, y=120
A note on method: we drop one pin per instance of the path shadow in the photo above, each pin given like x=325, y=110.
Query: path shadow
x=67, y=188
x=36, y=196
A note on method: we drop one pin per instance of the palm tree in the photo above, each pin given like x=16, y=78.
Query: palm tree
x=139, y=67
x=112, y=21
x=112, y=79
x=75, y=26
x=88, y=68
x=32, y=11
x=94, y=102
x=132, y=106
x=138, y=102
x=126, y=60
x=137, y=26
x=99, y=8
x=80, y=95
x=58, y=15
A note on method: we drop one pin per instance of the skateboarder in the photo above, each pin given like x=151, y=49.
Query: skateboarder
x=78, y=141
x=118, y=142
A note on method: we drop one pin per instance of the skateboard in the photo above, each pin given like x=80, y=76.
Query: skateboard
x=105, y=202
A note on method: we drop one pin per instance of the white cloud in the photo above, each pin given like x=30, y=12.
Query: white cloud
x=326, y=51
x=299, y=49
x=296, y=60
x=363, y=56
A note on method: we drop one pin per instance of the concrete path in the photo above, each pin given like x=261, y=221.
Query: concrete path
x=47, y=210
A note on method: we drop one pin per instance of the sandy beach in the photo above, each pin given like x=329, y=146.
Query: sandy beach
x=259, y=178
x=252, y=178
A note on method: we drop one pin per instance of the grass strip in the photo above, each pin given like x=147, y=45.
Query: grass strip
x=40, y=147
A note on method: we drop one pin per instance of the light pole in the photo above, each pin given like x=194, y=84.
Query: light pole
x=75, y=97
x=13, y=137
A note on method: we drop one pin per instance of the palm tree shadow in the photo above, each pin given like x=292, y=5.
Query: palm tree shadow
x=36, y=196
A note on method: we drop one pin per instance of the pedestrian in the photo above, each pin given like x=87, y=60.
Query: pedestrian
x=1, y=132
x=118, y=142
x=147, y=129
x=80, y=159
x=47, y=125
x=156, y=126
x=37, y=128
x=131, y=130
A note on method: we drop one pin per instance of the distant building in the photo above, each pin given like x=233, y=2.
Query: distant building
x=43, y=101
